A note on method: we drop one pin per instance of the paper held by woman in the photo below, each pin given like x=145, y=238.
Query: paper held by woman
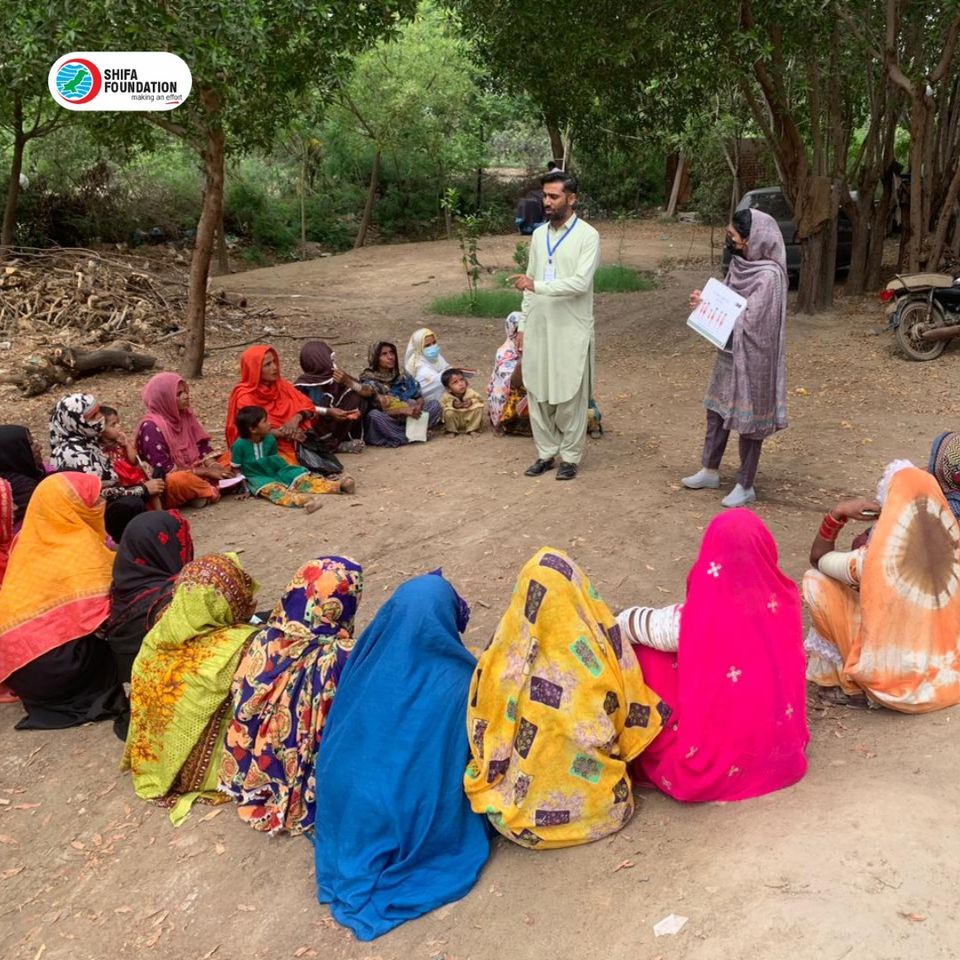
x=717, y=313
x=227, y=482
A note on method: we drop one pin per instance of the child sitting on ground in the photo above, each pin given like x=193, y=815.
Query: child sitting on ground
x=462, y=406
x=268, y=475
x=122, y=454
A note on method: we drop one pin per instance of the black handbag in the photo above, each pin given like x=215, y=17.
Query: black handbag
x=312, y=455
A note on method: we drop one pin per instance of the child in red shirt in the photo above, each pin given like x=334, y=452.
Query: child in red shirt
x=123, y=454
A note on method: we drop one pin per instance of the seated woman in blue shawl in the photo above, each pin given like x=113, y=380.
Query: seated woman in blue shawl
x=394, y=833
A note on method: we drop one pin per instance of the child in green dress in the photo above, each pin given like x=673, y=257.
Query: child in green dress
x=255, y=455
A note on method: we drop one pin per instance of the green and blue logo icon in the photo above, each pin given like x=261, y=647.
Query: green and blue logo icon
x=78, y=80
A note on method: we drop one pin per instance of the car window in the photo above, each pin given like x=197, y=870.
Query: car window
x=773, y=203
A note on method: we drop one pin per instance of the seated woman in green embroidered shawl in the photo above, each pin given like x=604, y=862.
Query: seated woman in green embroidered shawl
x=180, y=685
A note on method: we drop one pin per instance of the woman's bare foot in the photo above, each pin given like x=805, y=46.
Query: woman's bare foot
x=348, y=485
x=313, y=505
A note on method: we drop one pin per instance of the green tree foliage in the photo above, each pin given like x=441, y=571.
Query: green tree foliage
x=31, y=38
x=250, y=60
x=413, y=108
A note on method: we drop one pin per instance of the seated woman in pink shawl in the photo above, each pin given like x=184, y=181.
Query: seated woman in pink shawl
x=729, y=663
x=171, y=440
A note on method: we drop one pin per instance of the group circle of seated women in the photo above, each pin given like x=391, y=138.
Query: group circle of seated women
x=311, y=727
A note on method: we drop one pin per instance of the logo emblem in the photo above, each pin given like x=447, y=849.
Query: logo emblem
x=78, y=80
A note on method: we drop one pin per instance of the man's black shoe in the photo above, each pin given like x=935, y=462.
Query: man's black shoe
x=538, y=467
x=567, y=471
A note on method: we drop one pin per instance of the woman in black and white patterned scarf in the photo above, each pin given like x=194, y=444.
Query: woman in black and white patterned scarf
x=75, y=427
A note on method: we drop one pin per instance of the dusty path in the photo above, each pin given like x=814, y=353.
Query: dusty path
x=857, y=861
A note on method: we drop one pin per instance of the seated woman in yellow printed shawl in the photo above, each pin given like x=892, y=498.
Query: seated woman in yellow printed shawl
x=886, y=614
x=557, y=710
x=180, y=686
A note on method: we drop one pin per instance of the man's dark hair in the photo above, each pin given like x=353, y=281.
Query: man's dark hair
x=248, y=418
x=108, y=411
x=558, y=176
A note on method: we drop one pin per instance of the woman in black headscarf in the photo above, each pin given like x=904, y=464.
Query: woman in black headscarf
x=21, y=464
x=154, y=548
x=338, y=398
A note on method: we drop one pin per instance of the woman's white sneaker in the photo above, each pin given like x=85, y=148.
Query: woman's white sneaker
x=739, y=497
x=704, y=479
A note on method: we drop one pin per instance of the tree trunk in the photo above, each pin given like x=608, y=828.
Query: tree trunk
x=675, y=190
x=556, y=144
x=810, y=295
x=860, y=242
x=371, y=199
x=303, y=196
x=213, y=164
x=918, y=136
x=13, y=188
x=828, y=268
x=223, y=260
x=478, y=197
x=947, y=212
x=878, y=233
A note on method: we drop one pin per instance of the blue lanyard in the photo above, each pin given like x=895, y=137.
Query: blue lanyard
x=552, y=250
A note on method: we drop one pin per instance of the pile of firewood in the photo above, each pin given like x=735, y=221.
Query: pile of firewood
x=84, y=297
x=82, y=312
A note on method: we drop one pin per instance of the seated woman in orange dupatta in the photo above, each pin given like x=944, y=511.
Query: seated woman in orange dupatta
x=6, y=525
x=6, y=538
x=54, y=598
x=262, y=386
x=886, y=614
x=172, y=441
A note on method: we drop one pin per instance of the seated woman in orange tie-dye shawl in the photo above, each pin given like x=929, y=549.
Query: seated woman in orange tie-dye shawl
x=886, y=614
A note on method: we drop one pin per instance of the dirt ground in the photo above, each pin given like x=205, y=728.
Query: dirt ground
x=859, y=860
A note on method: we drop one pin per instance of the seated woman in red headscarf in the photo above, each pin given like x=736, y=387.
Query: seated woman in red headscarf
x=262, y=386
x=174, y=444
x=730, y=667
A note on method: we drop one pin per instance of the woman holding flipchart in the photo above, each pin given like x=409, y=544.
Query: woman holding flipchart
x=748, y=389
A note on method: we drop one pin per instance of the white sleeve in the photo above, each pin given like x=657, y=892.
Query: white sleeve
x=843, y=565
x=658, y=628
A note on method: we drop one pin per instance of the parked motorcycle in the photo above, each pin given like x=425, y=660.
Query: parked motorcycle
x=923, y=309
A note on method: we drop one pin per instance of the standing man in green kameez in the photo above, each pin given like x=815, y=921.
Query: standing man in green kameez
x=555, y=335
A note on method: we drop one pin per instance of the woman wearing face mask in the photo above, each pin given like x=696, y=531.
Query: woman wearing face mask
x=75, y=428
x=748, y=389
x=424, y=362
x=337, y=397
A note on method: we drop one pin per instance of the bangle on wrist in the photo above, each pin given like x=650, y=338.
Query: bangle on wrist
x=830, y=527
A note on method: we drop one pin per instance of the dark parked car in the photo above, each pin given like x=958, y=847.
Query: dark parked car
x=771, y=200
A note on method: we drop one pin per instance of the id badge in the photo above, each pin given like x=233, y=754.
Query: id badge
x=550, y=272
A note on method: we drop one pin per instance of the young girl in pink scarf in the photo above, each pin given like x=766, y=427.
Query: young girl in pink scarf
x=729, y=663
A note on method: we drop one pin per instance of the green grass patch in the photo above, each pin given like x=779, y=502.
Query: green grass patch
x=489, y=303
x=502, y=299
x=615, y=278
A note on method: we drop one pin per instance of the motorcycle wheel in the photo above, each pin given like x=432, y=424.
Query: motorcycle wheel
x=913, y=320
